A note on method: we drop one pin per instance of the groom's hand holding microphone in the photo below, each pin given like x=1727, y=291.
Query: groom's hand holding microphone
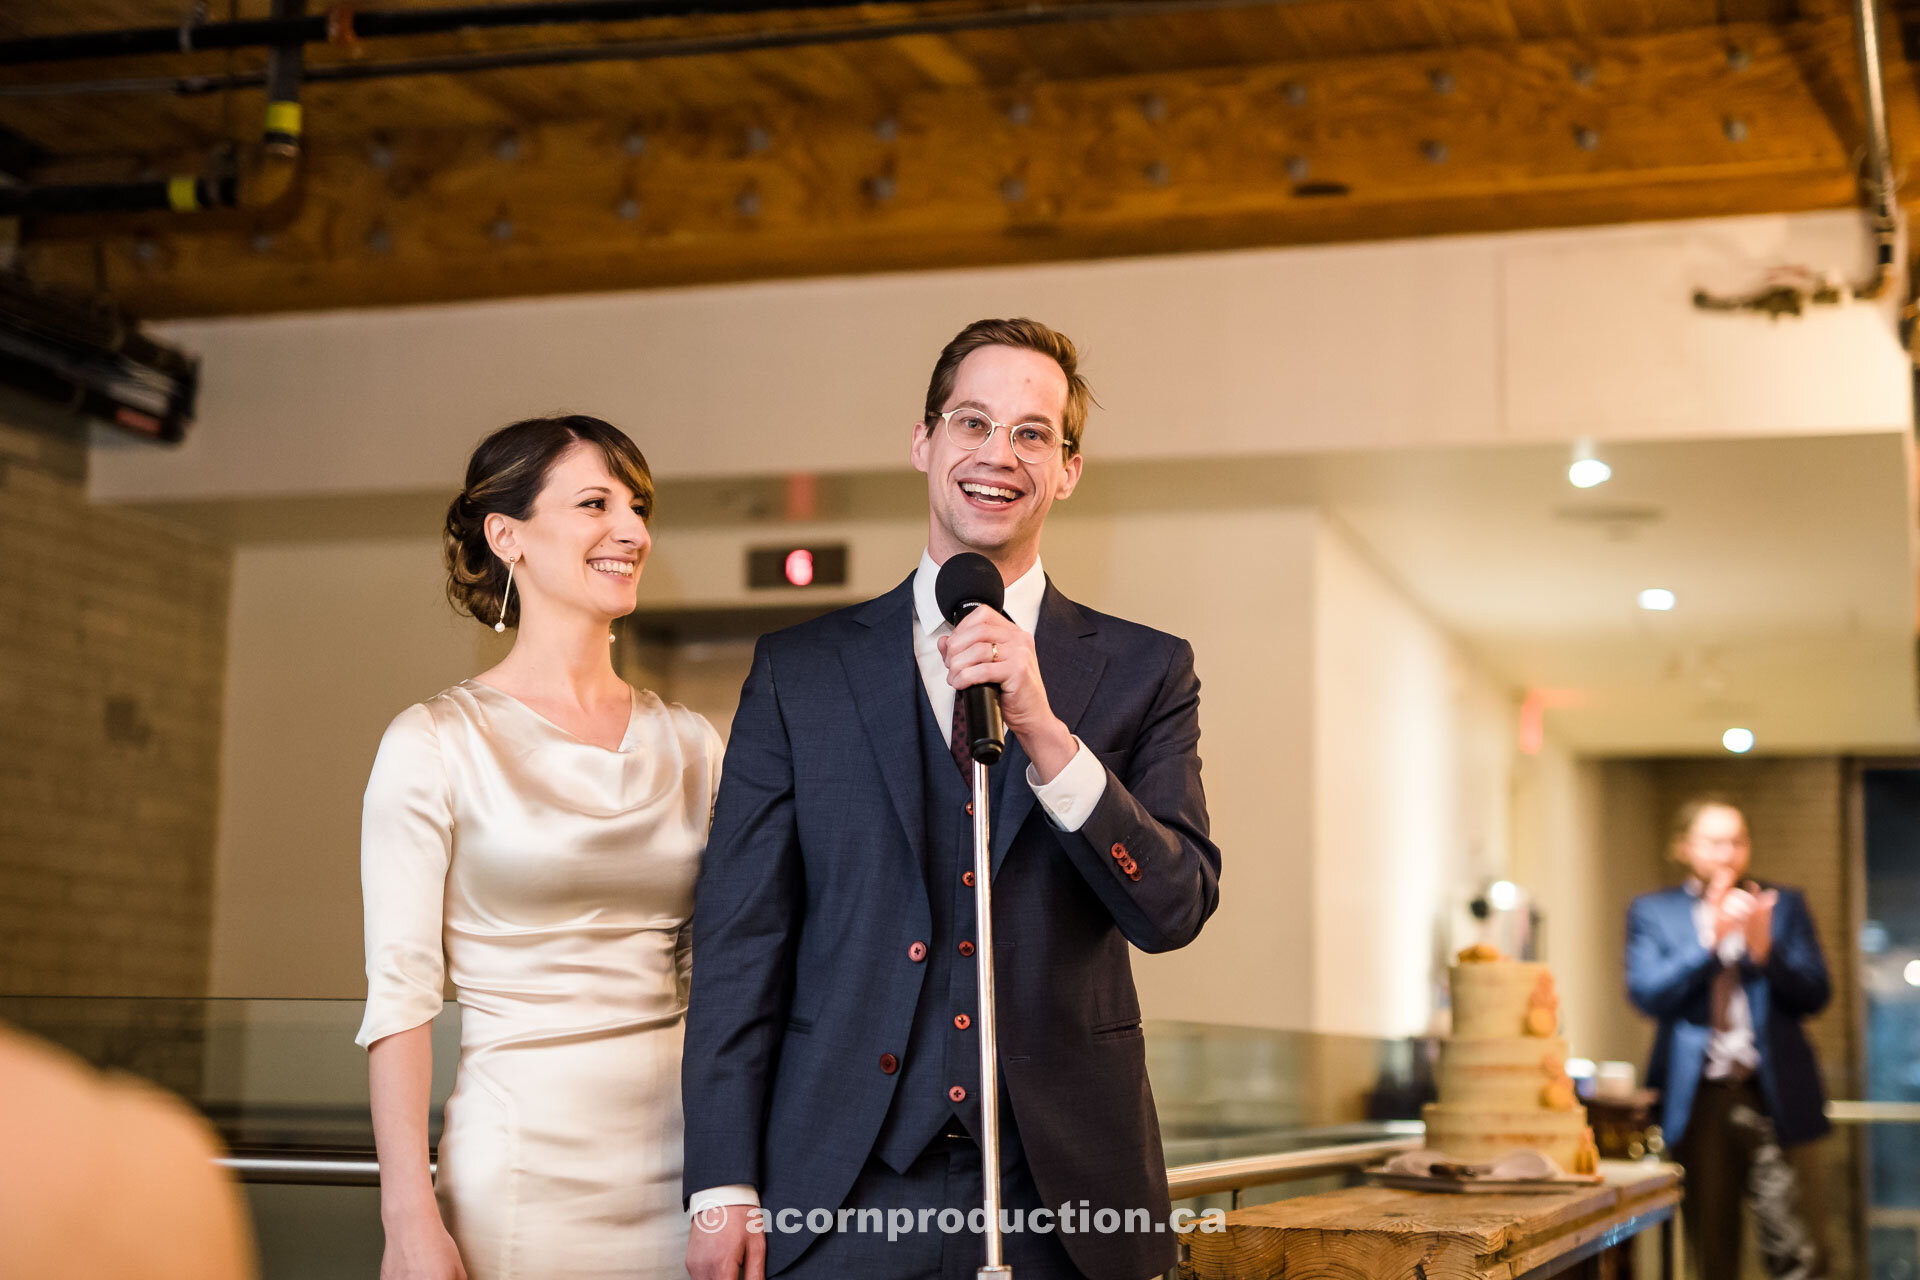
x=987, y=648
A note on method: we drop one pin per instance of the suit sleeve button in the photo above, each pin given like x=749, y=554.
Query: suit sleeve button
x=917, y=952
x=957, y=1094
x=1119, y=851
x=889, y=1064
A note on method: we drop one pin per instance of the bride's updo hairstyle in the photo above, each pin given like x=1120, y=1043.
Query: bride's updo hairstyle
x=505, y=475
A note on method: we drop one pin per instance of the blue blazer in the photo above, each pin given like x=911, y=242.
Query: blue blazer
x=812, y=891
x=1670, y=977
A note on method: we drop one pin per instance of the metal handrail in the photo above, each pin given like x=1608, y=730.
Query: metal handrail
x=1215, y=1176
x=1853, y=1111
x=310, y=1167
x=357, y=1167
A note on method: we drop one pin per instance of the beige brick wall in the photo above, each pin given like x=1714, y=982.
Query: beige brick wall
x=1797, y=811
x=112, y=638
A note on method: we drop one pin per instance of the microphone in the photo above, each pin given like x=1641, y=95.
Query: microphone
x=967, y=582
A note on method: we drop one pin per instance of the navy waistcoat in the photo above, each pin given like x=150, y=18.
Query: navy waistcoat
x=942, y=1055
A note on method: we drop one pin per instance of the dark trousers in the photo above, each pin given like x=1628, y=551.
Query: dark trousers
x=1732, y=1157
x=947, y=1175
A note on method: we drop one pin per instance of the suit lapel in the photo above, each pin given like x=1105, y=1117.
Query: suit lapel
x=885, y=681
x=1680, y=919
x=1070, y=668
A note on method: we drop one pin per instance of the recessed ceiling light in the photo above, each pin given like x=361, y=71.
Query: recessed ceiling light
x=1738, y=741
x=1657, y=599
x=1586, y=469
x=1588, y=472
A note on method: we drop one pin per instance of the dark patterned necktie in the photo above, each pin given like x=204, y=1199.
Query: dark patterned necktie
x=962, y=751
x=1725, y=983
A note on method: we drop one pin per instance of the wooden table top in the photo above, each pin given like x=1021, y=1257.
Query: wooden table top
x=1386, y=1234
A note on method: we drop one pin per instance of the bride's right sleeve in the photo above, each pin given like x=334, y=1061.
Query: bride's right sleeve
x=406, y=843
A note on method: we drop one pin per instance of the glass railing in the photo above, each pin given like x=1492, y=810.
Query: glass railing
x=286, y=1073
x=286, y=1087
x=267, y=1073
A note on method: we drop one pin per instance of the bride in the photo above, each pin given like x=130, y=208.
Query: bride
x=533, y=833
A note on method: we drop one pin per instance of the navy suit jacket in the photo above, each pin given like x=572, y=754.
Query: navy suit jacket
x=812, y=891
x=1670, y=977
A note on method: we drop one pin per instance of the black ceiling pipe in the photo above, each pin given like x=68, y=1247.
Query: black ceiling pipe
x=18, y=156
x=284, y=64
x=1031, y=15
x=183, y=194
x=278, y=32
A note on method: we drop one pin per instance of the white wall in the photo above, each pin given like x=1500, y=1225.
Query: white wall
x=1412, y=751
x=1475, y=339
x=1238, y=585
x=325, y=644
x=1558, y=858
x=1586, y=840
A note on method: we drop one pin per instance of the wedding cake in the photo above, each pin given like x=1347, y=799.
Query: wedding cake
x=1503, y=1072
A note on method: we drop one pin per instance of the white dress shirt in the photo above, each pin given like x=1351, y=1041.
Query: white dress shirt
x=1070, y=797
x=1731, y=1050
x=1067, y=801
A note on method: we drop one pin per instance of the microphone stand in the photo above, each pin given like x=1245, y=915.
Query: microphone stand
x=996, y=1267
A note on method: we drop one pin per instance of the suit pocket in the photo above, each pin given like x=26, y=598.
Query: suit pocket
x=1120, y=1029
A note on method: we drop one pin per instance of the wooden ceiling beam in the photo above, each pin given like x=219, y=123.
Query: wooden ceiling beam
x=1465, y=140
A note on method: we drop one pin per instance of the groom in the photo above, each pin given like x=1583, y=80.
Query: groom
x=832, y=1065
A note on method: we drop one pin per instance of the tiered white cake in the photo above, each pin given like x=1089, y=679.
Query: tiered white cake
x=1503, y=1072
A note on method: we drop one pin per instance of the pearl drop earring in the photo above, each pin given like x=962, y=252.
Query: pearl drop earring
x=501, y=624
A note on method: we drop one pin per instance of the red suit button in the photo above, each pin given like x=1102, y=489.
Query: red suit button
x=969, y=808
x=1119, y=852
x=966, y=948
x=962, y=1021
x=957, y=1094
x=966, y=878
x=889, y=1064
x=917, y=952
x=1133, y=873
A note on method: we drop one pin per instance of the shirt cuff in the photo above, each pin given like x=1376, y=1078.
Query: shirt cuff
x=738, y=1193
x=1070, y=798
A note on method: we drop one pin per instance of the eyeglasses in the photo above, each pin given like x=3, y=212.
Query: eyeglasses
x=1032, y=441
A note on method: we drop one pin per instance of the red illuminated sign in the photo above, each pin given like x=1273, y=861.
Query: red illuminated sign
x=790, y=566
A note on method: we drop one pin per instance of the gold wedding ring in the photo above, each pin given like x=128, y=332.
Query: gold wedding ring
x=996, y=653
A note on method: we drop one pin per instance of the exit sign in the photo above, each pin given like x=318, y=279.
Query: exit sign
x=813, y=566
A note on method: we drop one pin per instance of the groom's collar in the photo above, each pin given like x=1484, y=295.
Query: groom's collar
x=1024, y=595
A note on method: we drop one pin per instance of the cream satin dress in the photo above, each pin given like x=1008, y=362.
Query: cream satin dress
x=555, y=877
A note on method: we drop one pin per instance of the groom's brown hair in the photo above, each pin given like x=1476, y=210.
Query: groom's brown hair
x=1028, y=335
